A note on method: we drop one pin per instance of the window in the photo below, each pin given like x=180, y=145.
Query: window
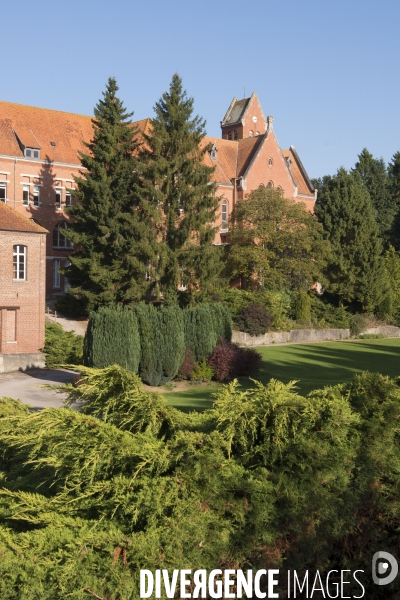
x=67, y=284
x=36, y=195
x=19, y=263
x=224, y=215
x=257, y=133
x=3, y=192
x=25, y=195
x=270, y=184
x=32, y=153
x=270, y=162
x=235, y=135
x=58, y=197
x=56, y=273
x=230, y=135
x=251, y=133
x=68, y=198
x=279, y=191
x=59, y=239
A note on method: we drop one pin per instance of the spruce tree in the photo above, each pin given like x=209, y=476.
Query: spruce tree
x=112, y=227
x=394, y=183
x=374, y=174
x=176, y=180
x=355, y=269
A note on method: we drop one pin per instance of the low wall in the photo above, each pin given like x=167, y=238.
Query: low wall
x=21, y=361
x=389, y=331
x=293, y=336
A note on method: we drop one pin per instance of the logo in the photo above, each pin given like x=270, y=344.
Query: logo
x=384, y=563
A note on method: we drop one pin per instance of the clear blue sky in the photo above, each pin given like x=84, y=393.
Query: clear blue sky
x=328, y=71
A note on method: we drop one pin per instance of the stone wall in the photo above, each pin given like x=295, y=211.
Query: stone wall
x=294, y=336
x=21, y=361
x=389, y=331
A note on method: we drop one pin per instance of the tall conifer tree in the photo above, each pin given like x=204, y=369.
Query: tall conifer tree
x=375, y=177
x=355, y=270
x=176, y=180
x=113, y=228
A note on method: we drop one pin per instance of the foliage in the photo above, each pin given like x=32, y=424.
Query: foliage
x=112, y=337
x=175, y=178
x=112, y=227
x=354, y=270
x=370, y=336
x=275, y=242
x=162, y=342
x=253, y=319
x=394, y=183
x=384, y=309
x=229, y=361
x=204, y=324
x=358, y=323
x=202, y=372
x=266, y=478
x=375, y=177
x=71, y=306
x=324, y=314
x=187, y=367
x=392, y=268
x=62, y=347
x=302, y=308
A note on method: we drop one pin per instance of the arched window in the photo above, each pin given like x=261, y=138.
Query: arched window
x=19, y=263
x=257, y=133
x=270, y=184
x=224, y=215
x=59, y=239
x=251, y=133
x=270, y=162
x=279, y=191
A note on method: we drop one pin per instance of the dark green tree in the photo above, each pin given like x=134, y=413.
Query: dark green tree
x=374, y=174
x=176, y=179
x=394, y=184
x=355, y=270
x=112, y=226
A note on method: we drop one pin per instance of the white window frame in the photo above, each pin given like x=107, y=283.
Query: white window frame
x=68, y=198
x=30, y=153
x=224, y=216
x=3, y=186
x=58, y=194
x=56, y=274
x=25, y=194
x=36, y=195
x=19, y=252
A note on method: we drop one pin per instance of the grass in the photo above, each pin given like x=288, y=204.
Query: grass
x=313, y=365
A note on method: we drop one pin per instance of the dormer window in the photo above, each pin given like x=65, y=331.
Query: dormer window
x=32, y=153
x=213, y=152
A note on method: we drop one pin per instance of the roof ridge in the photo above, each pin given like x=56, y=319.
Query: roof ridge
x=46, y=109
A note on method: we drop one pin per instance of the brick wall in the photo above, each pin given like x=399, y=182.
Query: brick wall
x=22, y=303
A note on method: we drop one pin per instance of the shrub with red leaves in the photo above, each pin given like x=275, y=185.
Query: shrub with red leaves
x=229, y=360
x=187, y=367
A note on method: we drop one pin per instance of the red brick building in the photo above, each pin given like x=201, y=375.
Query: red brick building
x=39, y=154
x=22, y=291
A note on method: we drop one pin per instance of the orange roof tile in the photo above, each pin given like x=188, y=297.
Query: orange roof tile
x=247, y=148
x=225, y=161
x=11, y=220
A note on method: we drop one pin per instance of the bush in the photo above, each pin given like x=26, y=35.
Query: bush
x=162, y=342
x=187, y=367
x=204, y=324
x=62, y=347
x=112, y=337
x=71, y=306
x=302, y=308
x=253, y=319
x=229, y=361
x=202, y=372
x=221, y=320
x=324, y=314
x=358, y=323
x=385, y=307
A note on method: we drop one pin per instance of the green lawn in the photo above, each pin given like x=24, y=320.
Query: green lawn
x=313, y=365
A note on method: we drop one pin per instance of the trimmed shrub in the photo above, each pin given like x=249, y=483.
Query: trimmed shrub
x=200, y=337
x=162, y=342
x=62, y=347
x=302, y=308
x=229, y=361
x=221, y=320
x=253, y=319
x=112, y=337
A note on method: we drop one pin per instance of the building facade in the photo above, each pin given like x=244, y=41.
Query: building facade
x=39, y=154
x=22, y=291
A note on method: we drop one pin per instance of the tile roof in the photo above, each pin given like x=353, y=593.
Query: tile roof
x=225, y=161
x=11, y=220
x=38, y=127
x=304, y=185
x=247, y=149
x=236, y=111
